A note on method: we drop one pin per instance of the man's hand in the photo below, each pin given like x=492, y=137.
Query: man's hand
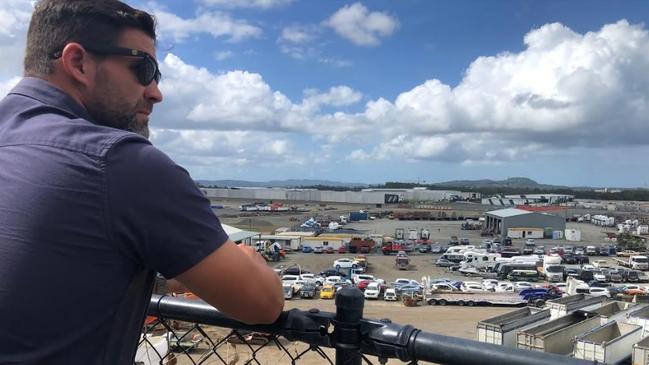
x=252, y=253
x=238, y=282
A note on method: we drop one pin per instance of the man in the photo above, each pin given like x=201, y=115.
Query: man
x=90, y=210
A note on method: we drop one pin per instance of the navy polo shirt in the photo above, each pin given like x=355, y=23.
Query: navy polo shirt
x=88, y=213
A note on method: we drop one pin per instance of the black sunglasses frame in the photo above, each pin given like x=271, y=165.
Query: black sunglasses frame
x=142, y=71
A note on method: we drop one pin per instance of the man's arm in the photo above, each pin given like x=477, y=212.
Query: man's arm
x=237, y=281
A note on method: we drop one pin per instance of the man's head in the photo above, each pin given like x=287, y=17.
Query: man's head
x=102, y=52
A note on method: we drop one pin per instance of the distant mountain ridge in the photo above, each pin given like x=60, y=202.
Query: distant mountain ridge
x=512, y=182
x=292, y=183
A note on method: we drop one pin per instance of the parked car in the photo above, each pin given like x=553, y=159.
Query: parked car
x=517, y=275
x=307, y=249
x=327, y=292
x=438, y=249
x=312, y=279
x=331, y=272
x=288, y=290
x=615, y=276
x=308, y=291
x=344, y=263
x=373, y=290
x=510, y=252
x=317, y=249
x=521, y=285
x=423, y=248
x=390, y=294
x=342, y=249
x=530, y=242
x=329, y=249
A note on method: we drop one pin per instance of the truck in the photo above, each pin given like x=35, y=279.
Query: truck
x=402, y=261
x=390, y=247
x=502, y=329
x=608, y=344
x=361, y=245
x=635, y=262
x=556, y=336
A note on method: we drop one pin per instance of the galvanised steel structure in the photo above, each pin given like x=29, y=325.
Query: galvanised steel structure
x=354, y=339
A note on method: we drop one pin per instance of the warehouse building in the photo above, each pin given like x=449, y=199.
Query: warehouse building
x=518, y=223
x=524, y=199
x=365, y=196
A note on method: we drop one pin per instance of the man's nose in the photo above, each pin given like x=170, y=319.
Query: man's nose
x=153, y=93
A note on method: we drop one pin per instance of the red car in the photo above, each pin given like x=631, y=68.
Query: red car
x=342, y=249
x=328, y=249
x=363, y=284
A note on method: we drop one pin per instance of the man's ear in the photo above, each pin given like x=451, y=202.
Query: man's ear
x=77, y=63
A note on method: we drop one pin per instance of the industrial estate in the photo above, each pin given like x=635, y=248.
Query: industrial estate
x=549, y=272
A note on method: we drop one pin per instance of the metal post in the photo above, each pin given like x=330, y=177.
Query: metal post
x=346, y=335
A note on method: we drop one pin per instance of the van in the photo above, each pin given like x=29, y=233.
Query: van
x=523, y=275
x=506, y=268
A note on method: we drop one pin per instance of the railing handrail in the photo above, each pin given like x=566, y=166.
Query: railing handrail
x=380, y=338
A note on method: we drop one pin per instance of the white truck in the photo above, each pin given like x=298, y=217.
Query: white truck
x=635, y=262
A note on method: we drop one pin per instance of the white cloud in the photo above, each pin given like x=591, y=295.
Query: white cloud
x=564, y=90
x=261, y=4
x=14, y=20
x=216, y=24
x=360, y=26
x=298, y=40
x=6, y=86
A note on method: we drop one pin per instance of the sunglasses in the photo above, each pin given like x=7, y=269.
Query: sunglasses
x=146, y=70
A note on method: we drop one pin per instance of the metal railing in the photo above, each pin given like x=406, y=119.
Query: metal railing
x=189, y=328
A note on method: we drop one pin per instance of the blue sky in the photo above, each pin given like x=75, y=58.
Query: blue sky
x=411, y=90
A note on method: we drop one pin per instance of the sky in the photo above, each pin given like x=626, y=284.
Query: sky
x=409, y=90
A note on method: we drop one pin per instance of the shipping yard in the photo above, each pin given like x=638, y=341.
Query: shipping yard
x=524, y=278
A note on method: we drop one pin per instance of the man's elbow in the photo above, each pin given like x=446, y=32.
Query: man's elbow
x=273, y=310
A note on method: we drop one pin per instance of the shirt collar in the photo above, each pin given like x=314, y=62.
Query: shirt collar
x=47, y=93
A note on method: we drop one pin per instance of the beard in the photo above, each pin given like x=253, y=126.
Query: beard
x=108, y=109
x=125, y=120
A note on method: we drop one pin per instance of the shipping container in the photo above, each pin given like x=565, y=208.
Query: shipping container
x=614, y=311
x=640, y=317
x=640, y=354
x=501, y=330
x=557, y=335
x=562, y=306
x=609, y=343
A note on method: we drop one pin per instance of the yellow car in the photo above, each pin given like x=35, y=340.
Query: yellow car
x=327, y=292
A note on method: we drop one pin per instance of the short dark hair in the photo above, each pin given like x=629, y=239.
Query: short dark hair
x=56, y=23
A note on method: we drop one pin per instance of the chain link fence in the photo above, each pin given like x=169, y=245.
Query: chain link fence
x=181, y=331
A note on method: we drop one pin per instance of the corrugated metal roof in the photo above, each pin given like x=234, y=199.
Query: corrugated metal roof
x=509, y=212
x=235, y=234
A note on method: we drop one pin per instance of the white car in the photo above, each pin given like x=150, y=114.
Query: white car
x=522, y=285
x=360, y=277
x=290, y=278
x=403, y=281
x=333, y=280
x=312, y=279
x=344, y=263
x=472, y=287
x=599, y=292
x=599, y=276
x=372, y=290
x=490, y=284
x=443, y=287
x=390, y=295
x=530, y=242
x=588, y=267
x=505, y=287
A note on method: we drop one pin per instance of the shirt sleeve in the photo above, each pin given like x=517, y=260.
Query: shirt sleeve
x=156, y=214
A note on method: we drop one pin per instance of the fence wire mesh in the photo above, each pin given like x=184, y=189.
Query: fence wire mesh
x=173, y=342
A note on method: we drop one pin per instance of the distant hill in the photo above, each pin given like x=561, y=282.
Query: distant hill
x=512, y=182
x=278, y=183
